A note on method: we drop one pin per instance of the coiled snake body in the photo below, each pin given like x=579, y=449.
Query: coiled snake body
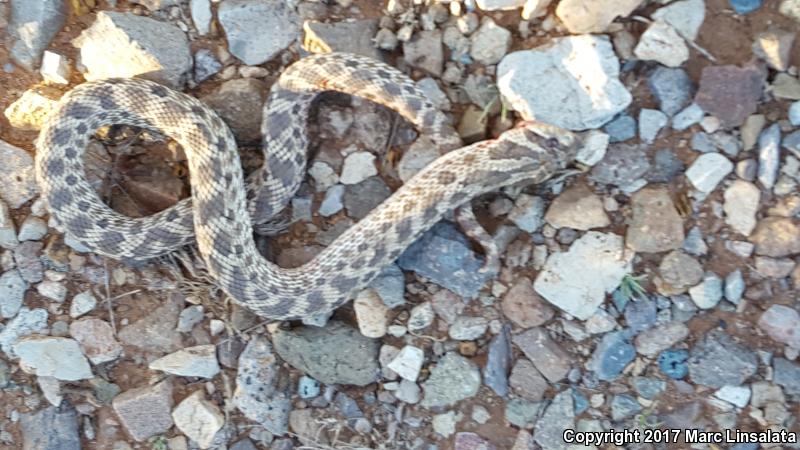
x=222, y=207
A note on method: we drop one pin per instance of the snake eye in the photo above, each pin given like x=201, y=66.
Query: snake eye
x=552, y=143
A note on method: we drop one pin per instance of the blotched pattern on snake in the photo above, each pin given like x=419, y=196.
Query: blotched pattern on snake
x=223, y=205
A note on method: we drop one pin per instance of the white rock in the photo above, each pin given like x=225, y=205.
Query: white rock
x=534, y=9
x=686, y=16
x=126, y=45
x=593, y=16
x=794, y=114
x=651, y=121
x=708, y=293
x=371, y=313
x=8, y=232
x=735, y=395
x=53, y=290
x=245, y=23
x=332, y=203
x=582, y=78
x=51, y=389
x=197, y=361
x=769, y=155
x=19, y=183
x=499, y=5
x=198, y=419
x=528, y=212
x=741, y=206
x=358, y=167
x=662, y=43
x=708, y=170
x=408, y=362
x=12, y=293
x=56, y=357
x=421, y=316
x=578, y=280
x=82, y=304
x=323, y=174
x=201, y=16
x=468, y=328
x=734, y=286
x=595, y=144
x=489, y=43
x=32, y=229
x=55, y=68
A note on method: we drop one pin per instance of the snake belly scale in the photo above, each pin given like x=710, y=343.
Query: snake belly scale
x=223, y=206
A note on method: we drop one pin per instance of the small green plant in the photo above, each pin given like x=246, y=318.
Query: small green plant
x=503, y=108
x=646, y=418
x=631, y=286
x=159, y=443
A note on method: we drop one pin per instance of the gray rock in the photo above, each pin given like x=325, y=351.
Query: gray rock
x=262, y=388
x=344, y=36
x=56, y=357
x=621, y=129
x=734, y=287
x=32, y=229
x=206, y=65
x=656, y=225
x=498, y=363
x=468, y=328
x=201, y=15
x=566, y=283
x=708, y=170
x=421, y=316
x=390, y=286
x=443, y=255
x=336, y=354
x=662, y=43
x=769, y=158
x=612, y=354
x=454, y=378
x=145, y=411
x=332, y=202
x=551, y=360
x=622, y=165
x=686, y=16
x=782, y=324
x=245, y=22
x=239, y=103
x=566, y=102
x=559, y=416
x=33, y=24
x=52, y=290
x=527, y=212
x=8, y=231
x=790, y=142
x=27, y=322
x=666, y=167
x=593, y=16
x=198, y=419
x=197, y=361
x=489, y=43
x=190, y=317
x=425, y=52
x=126, y=45
x=19, y=185
x=787, y=375
x=651, y=121
x=689, y=116
x=671, y=87
x=363, y=197
x=678, y=271
x=52, y=428
x=624, y=406
x=649, y=388
x=12, y=292
x=524, y=307
x=526, y=381
x=653, y=341
x=694, y=242
x=522, y=413
x=156, y=331
x=717, y=361
x=96, y=338
x=640, y=314
x=29, y=264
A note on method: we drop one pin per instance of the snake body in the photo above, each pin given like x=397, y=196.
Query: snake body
x=219, y=215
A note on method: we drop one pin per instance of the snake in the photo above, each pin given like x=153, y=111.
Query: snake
x=224, y=205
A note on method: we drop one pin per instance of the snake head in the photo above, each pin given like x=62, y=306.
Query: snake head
x=560, y=143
